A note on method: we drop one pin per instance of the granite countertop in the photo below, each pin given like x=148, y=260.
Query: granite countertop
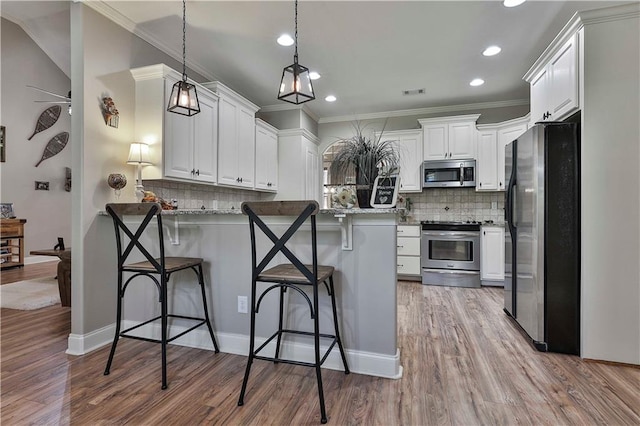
x=195, y=212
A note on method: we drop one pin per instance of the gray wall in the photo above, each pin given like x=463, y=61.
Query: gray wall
x=101, y=55
x=611, y=191
x=24, y=63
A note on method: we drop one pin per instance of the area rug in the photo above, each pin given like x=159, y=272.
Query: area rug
x=30, y=294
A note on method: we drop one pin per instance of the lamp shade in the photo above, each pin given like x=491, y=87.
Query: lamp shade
x=295, y=86
x=184, y=99
x=139, y=154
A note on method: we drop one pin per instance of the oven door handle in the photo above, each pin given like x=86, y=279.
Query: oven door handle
x=450, y=234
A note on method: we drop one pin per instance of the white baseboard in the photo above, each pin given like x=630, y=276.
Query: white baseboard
x=30, y=260
x=80, y=344
x=360, y=362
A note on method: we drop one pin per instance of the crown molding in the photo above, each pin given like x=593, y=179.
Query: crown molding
x=299, y=132
x=290, y=107
x=577, y=21
x=424, y=111
x=118, y=18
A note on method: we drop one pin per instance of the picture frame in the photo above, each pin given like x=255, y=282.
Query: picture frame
x=385, y=191
x=6, y=211
x=3, y=142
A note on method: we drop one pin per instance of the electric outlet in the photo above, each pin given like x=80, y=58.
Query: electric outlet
x=494, y=205
x=243, y=304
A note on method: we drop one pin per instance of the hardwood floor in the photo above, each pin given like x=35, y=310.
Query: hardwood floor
x=465, y=363
x=28, y=272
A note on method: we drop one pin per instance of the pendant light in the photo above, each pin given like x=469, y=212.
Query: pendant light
x=184, y=98
x=296, y=86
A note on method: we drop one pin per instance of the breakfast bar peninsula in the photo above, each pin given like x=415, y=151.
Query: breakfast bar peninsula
x=359, y=243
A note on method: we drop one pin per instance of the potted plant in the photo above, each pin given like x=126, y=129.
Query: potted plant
x=366, y=157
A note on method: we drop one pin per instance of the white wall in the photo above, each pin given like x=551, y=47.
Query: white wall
x=610, y=191
x=48, y=213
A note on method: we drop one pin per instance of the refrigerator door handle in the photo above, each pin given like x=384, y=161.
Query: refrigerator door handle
x=514, y=203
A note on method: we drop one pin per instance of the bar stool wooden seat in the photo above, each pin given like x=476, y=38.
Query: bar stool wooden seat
x=158, y=269
x=294, y=276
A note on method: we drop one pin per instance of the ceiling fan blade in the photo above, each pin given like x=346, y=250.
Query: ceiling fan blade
x=50, y=93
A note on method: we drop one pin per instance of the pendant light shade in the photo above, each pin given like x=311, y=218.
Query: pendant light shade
x=296, y=86
x=184, y=97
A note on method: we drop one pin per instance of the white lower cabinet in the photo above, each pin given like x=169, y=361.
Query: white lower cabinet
x=492, y=255
x=408, y=250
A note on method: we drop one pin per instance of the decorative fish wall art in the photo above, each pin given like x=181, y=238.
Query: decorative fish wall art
x=47, y=119
x=54, y=146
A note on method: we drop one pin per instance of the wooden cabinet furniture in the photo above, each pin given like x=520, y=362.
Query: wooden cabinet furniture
x=266, y=157
x=486, y=160
x=236, y=137
x=492, y=139
x=409, y=146
x=555, y=84
x=408, y=251
x=492, y=255
x=300, y=179
x=449, y=137
x=181, y=148
x=12, y=242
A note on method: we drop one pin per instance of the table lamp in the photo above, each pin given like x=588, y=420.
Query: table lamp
x=139, y=155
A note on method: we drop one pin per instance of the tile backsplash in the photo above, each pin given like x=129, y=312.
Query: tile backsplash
x=456, y=204
x=194, y=196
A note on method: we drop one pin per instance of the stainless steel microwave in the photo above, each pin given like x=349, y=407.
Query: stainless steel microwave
x=448, y=173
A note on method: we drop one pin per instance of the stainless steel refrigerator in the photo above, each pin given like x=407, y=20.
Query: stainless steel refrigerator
x=542, y=238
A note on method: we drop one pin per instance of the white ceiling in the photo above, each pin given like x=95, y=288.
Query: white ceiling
x=367, y=52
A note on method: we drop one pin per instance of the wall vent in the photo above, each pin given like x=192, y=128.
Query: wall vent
x=414, y=92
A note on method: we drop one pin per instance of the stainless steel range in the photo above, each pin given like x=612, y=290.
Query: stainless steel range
x=450, y=253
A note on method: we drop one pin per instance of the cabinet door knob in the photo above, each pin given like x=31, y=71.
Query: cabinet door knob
x=500, y=183
x=193, y=171
x=240, y=180
x=198, y=172
x=450, y=155
x=480, y=183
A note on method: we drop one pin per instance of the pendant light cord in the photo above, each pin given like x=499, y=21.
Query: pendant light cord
x=295, y=56
x=184, y=40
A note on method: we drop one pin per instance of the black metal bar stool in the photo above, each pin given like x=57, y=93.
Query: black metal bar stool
x=292, y=276
x=161, y=266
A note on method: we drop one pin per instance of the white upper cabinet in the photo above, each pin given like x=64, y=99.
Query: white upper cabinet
x=266, y=156
x=507, y=133
x=492, y=139
x=555, y=83
x=409, y=146
x=487, y=171
x=300, y=179
x=236, y=138
x=181, y=147
x=449, y=137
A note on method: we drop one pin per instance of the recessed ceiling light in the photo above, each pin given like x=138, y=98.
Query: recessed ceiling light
x=512, y=3
x=314, y=75
x=491, y=50
x=285, y=40
x=330, y=98
x=476, y=82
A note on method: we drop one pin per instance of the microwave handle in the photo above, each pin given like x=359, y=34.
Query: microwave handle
x=461, y=174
